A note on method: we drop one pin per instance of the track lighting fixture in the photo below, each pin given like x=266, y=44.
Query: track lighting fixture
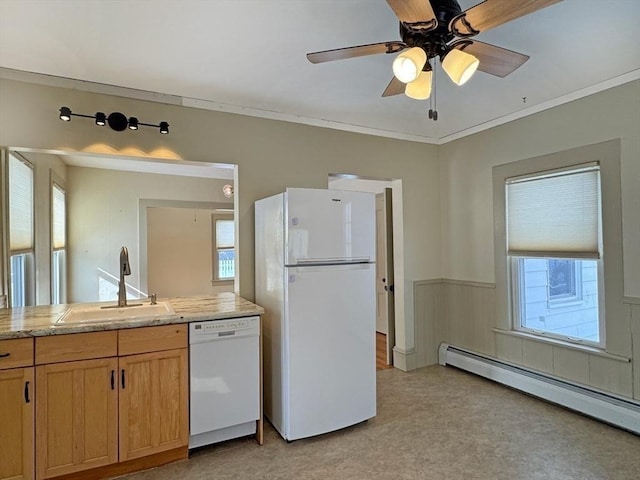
x=116, y=120
x=101, y=119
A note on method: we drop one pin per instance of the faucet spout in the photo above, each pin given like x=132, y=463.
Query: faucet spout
x=125, y=269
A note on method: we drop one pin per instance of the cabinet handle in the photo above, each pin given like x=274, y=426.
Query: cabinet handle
x=5, y=355
x=26, y=392
x=113, y=379
x=122, y=378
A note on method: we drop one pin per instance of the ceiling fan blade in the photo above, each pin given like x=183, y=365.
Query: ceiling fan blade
x=418, y=14
x=491, y=13
x=357, y=51
x=497, y=61
x=395, y=87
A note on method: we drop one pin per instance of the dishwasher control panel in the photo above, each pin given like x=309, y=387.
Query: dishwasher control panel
x=231, y=327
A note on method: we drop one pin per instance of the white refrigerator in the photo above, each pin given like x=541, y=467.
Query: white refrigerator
x=315, y=277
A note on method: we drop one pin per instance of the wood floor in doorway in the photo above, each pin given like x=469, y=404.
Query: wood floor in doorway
x=381, y=351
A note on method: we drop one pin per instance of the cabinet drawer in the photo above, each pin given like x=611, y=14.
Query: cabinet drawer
x=152, y=339
x=76, y=346
x=17, y=352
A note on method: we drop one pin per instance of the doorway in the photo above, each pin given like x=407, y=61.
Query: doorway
x=177, y=246
x=385, y=304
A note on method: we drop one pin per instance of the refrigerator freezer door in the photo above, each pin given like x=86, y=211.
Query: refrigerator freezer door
x=330, y=348
x=329, y=226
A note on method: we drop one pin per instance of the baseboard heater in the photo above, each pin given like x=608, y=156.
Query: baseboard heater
x=608, y=408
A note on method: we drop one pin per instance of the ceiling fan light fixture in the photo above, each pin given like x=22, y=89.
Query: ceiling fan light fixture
x=408, y=65
x=459, y=65
x=420, y=88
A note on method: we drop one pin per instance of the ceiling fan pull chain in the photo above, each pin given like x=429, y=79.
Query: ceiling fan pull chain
x=433, y=112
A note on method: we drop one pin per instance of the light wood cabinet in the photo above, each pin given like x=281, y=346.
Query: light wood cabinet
x=77, y=416
x=16, y=423
x=153, y=403
x=102, y=412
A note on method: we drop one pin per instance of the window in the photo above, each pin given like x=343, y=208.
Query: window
x=563, y=280
x=224, y=254
x=553, y=240
x=58, y=244
x=21, y=238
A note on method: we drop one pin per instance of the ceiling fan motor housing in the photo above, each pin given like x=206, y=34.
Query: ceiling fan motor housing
x=433, y=42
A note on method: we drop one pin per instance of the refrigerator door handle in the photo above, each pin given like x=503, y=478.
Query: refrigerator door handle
x=331, y=261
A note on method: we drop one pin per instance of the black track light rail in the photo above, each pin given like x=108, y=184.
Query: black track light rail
x=116, y=120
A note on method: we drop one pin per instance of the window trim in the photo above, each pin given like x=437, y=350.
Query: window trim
x=214, y=257
x=607, y=154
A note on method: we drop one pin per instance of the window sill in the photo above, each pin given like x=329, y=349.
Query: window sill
x=559, y=343
x=221, y=283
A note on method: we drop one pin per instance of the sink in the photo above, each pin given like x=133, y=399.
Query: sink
x=96, y=313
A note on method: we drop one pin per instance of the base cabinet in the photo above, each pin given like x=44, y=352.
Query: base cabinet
x=16, y=424
x=153, y=403
x=107, y=399
x=77, y=416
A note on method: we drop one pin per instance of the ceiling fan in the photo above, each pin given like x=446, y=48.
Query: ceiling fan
x=440, y=29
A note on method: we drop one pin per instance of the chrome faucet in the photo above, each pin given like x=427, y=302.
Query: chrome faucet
x=125, y=269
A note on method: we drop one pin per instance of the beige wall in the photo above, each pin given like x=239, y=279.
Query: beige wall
x=179, y=252
x=466, y=180
x=271, y=155
x=467, y=313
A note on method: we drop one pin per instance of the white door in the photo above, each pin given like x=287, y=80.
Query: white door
x=330, y=348
x=329, y=225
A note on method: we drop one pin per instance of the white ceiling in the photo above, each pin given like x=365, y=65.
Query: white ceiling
x=248, y=57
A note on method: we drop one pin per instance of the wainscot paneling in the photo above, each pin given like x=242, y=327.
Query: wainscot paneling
x=459, y=313
x=634, y=313
x=463, y=314
x=428, y=310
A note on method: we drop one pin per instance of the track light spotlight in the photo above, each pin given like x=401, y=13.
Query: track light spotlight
x=65, y=114
x=116, y=120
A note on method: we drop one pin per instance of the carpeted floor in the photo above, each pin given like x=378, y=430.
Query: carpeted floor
x=434, y=423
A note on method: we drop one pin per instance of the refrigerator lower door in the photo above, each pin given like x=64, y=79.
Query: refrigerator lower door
x=329, y=348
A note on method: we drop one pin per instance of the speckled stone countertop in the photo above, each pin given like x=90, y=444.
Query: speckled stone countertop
x=41, y=320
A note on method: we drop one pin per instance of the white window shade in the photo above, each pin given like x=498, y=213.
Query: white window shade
x=58, y=217
x=225, y=235
x=554, y=215
x=20, y=205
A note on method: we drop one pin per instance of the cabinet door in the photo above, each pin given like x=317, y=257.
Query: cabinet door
x=16, y=424
x=77, y=416
x=153, y=403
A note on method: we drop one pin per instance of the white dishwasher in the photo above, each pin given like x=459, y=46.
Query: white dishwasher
x=224, y=361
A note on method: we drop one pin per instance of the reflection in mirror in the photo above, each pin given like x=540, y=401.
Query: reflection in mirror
x=163, y=211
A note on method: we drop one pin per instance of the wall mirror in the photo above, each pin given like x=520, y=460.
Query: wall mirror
x=68, y=215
